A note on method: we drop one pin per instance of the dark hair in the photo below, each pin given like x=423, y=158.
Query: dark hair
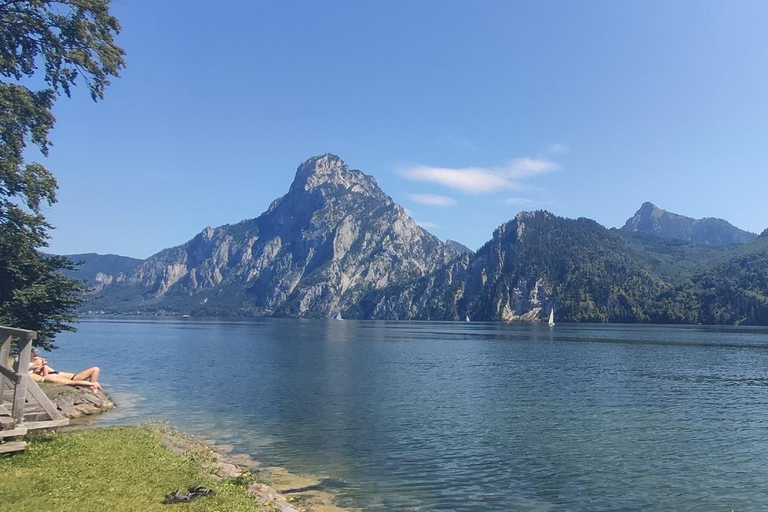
x=35, y=353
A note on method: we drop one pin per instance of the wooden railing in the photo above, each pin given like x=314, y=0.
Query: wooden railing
x=18, y=378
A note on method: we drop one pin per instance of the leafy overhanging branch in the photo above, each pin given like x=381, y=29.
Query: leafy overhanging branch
x=70, y=41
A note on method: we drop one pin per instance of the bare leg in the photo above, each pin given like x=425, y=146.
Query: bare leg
x=58, y=379
x=91, y=374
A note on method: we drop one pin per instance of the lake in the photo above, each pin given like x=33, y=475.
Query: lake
x=459, y=416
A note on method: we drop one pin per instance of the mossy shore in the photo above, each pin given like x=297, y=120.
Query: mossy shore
x=120, y=469
x=114, y=469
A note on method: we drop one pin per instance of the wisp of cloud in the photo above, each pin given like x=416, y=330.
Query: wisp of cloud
x=483, y=180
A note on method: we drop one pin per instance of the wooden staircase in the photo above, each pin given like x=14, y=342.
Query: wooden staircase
x=23, y=405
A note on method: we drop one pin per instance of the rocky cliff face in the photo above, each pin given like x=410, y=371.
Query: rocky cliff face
x=533, y=263
x=332, y=238
x=653, y=220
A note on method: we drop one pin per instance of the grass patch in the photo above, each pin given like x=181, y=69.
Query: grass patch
x=110, y=469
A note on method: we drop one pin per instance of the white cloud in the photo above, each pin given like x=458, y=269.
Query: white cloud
x=522, y=168
x=432, y=199
x=557, y=148
x=425, y=224
x=473, y=180
x=483, y=180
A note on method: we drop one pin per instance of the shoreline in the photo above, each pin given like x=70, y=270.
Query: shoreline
x=272, y=486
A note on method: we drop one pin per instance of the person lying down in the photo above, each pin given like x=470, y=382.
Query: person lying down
x=41, y=372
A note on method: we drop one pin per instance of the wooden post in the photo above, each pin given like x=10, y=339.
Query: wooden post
x=20, y=394
x=5, y=353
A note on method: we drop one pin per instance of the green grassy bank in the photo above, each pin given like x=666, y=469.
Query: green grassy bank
x=112, y=469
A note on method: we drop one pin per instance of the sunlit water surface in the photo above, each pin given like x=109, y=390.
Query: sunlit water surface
x=459, y=416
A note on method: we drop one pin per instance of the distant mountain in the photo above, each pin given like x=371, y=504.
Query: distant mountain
x=332, y=238
x=336, y=242
x=100, y=269
x=653, y=220
x=461, y=248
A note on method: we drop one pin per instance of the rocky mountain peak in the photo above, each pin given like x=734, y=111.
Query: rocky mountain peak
x=334, y=237
x=653, y=220
x=328, y=171
x=649, y=209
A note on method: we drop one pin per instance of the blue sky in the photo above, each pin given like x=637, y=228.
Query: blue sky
x=464, y=112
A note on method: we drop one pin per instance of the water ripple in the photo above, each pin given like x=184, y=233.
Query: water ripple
x=466, y=417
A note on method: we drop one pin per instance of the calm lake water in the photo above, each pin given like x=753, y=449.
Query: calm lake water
x=459, y=416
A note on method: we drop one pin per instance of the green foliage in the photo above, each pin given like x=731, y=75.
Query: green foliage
x=733, y=290
x=72, y=40
x=34, y=294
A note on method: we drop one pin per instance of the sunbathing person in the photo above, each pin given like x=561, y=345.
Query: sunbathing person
x=56, y=378
x=41, y=372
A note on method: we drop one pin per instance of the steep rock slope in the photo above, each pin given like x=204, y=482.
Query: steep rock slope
x=332, y=238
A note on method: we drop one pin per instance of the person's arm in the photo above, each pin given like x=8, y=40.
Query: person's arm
x=35, y=364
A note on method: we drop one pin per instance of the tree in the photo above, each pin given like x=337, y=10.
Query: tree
x=59, y=44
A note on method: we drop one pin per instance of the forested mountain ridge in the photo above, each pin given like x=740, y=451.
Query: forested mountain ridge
x=731, y=289
x=99, y=270
x=534, y=262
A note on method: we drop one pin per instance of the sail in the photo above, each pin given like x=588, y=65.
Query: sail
x=552, y=317
x=338, y=316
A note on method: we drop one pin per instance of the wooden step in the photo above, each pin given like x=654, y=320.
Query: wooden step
x=6, y=422
x=16, y=432
x=18, y=446
x=41, y=425
x=31, y=417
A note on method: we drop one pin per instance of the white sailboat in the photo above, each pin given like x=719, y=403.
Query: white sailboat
x=338, y=316
x=467, y=319
x=551, y=317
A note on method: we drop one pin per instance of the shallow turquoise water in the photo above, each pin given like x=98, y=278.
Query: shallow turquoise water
x=460, y=416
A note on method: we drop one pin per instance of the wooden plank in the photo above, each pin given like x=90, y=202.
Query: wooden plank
x=24, y=334
x=18, y=431
x=40, y=425
x=35, y=416
x=42, y=399
x=20, y=393
x=8, y=374
x=6, y=422
x=18, y=446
